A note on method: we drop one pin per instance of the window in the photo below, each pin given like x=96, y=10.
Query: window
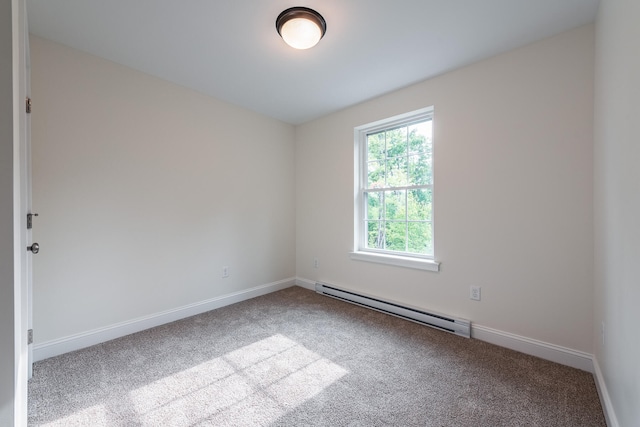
x=394, y=184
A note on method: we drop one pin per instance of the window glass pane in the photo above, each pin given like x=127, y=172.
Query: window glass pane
x=420, y=238
x=375, y=146
x=397, y=171
x=395, y=205
x=375, y=234
x=397, y=142
x=396, y=236
x=419, y=204
x=420, y=169
x=420, y=137
x=375, y=174
x=374, y=205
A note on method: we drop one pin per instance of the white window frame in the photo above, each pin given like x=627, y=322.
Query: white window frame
x=361, y=252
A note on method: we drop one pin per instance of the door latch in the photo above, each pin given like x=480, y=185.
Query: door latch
x=30, y=220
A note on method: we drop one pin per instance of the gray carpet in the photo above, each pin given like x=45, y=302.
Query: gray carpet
x=295, y=358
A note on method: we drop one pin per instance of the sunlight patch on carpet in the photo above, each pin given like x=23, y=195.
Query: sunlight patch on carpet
x=253, y=385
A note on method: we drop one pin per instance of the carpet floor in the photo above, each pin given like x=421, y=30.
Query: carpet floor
x=296, y=358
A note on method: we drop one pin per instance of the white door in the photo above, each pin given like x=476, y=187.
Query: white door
x=32, y=247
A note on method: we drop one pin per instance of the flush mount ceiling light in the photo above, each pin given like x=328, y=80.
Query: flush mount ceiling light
x=301, y=27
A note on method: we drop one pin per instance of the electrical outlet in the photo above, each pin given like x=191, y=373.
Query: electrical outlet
x=315, y=263
x=475, y=293
x=225, y=272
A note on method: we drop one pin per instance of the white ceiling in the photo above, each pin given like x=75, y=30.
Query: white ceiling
x=230, y=49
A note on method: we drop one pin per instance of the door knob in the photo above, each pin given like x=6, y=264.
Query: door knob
x=35, y=248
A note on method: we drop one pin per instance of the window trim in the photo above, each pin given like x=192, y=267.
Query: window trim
x=360, y=252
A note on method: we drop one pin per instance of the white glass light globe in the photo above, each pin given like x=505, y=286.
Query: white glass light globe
x=301, y=33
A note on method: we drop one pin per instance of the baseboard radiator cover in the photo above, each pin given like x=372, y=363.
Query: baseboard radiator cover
x=453, y=325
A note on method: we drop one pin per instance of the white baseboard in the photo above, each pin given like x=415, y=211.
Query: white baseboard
x=605, y=399
x=555, y=353
x=56, y=347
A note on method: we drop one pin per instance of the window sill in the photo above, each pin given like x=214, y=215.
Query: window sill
x=399, y=261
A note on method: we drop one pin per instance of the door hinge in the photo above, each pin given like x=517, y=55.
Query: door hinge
x=28, y=105
x=30, y=336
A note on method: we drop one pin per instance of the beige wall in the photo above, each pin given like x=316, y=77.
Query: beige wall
x=513, y=193
x=145, y=191
x=617, y=204
x=131, y=179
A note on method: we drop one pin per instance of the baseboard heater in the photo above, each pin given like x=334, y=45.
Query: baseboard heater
x=460, y=327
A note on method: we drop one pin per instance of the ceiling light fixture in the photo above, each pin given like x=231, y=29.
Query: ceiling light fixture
x=301, y=27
